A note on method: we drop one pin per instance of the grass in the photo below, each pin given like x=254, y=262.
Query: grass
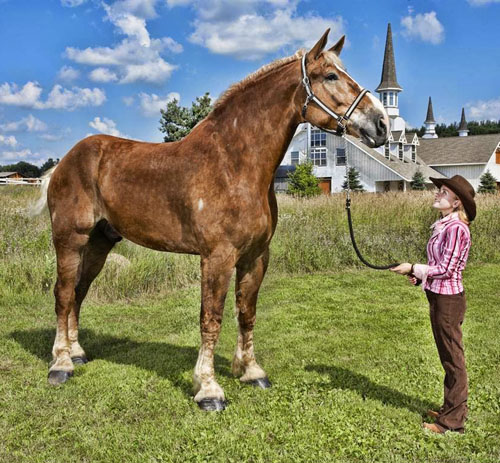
x=350, y=355
x=349, y=350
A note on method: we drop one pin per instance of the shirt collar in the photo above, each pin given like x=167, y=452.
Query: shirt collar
x=439, y=224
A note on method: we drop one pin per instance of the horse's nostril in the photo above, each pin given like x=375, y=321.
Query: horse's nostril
x=381, y=127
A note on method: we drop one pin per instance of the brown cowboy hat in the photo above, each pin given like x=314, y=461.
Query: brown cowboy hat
x=463, y=189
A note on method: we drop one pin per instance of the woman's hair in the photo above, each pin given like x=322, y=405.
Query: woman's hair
x=462, y=215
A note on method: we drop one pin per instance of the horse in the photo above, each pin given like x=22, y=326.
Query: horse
x=210, y=194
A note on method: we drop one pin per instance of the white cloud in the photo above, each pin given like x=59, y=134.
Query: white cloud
x=51, y=137
x=250, y=29
x=129, y=24
x=151, y=104
x=29, y=124
x=68, y=74
x=11, y=157
x=61, y=98
x=128, y=100
x=425, y=27
x=72, y=3
x=481, y=110
x=58, y=98
x=482, y=2
x=106, y=126
x=8, y=140
x=132, y=61
x=28, y=96
x=103, y=75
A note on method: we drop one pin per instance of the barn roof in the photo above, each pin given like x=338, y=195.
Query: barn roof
x=476, y=149
x=405, y=169
x=8, y=174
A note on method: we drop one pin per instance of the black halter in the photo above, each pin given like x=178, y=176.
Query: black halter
x=341, y=120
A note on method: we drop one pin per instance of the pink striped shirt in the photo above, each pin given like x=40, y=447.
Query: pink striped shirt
x=447, y=252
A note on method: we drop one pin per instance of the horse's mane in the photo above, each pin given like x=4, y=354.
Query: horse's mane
x=256, y=75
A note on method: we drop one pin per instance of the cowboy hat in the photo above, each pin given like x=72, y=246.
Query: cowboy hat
x=463, y=189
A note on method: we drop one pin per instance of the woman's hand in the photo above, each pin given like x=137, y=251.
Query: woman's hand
x=402, y=269
x=413, y=280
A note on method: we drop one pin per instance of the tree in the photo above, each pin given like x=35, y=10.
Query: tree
x=177, y=121
x=48, y=164
x=24, y=168
x=487, y=183
x=354, y=183
x=418, y=181
x=303, y=182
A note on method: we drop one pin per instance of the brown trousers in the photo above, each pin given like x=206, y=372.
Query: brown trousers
x=447, y=315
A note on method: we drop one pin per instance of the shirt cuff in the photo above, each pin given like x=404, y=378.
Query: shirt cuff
x=421, y=271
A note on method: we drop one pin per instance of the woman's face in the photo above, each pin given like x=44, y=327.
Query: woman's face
x=445, y=200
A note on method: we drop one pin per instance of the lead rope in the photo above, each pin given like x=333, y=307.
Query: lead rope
x=349, y=219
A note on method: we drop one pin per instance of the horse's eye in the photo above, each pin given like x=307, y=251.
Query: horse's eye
x=332, y=76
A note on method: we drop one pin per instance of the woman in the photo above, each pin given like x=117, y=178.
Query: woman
x=441, y=278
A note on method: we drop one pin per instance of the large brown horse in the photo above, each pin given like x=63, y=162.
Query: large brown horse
x=210, y=194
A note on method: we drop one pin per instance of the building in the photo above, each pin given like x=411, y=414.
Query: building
x=388, y=168
x=468, y=156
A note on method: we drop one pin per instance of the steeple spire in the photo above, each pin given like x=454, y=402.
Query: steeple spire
x=430, y=113
x=388, y=79
x=463, y=131
x=430, y=123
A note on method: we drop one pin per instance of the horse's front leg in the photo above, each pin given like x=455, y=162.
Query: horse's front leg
x=249, y=276
x=216, y=271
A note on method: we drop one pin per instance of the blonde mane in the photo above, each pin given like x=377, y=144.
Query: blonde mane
x=238, y=86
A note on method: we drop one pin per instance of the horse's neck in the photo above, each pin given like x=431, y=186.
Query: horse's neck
x=262, y=119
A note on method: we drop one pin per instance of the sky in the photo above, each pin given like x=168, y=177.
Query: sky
x=71, y=68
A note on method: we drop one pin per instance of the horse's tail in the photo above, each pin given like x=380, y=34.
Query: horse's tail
x=41, y=204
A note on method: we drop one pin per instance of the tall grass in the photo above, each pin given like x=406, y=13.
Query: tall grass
x=312, y=235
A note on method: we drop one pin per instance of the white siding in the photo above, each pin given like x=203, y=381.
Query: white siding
x=471, y=173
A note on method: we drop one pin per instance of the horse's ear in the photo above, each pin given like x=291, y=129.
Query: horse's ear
x=314, y=52
x=337, y=48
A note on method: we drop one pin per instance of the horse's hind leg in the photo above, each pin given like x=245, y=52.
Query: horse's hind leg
x=69, y=247
x=101, y=241
x=249, y=276
x=216, y=271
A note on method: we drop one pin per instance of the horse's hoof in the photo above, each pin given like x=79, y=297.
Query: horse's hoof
x=79, y=360
x=57, y=377
x=212, y=405
x=263, y=383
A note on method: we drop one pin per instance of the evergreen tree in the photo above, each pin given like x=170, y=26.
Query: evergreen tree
x=354, y=183
x=418, y=181
x=303, y=182
x=487, y=183
x=177, y=121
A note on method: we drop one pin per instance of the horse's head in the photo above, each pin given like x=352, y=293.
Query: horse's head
x=334, y=87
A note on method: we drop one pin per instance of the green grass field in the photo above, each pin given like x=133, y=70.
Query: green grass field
x=351, y=358
x=349, y=350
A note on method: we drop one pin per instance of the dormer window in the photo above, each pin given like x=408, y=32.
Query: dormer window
x=400, y=151
x=318, y=138
x=387, y=151
x=413, y=153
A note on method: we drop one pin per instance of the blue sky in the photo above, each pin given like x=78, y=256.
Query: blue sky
x=69, y=68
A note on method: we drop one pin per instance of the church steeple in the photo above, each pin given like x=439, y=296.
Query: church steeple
x=389, y=87
x=463, y=131
x=388, y=81
x=430, y=123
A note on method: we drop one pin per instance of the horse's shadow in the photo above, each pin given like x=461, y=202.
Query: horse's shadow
x=168, y=361
x=343, y=378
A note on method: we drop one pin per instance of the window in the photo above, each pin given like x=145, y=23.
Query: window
x=340, y=158
x=387, y=151
x=391, y=98
x=413, y=153
x=400, y=151
x=498, y=156
x=318, y=138
x=294, y=158
x=318, y=156
x=385, y=98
